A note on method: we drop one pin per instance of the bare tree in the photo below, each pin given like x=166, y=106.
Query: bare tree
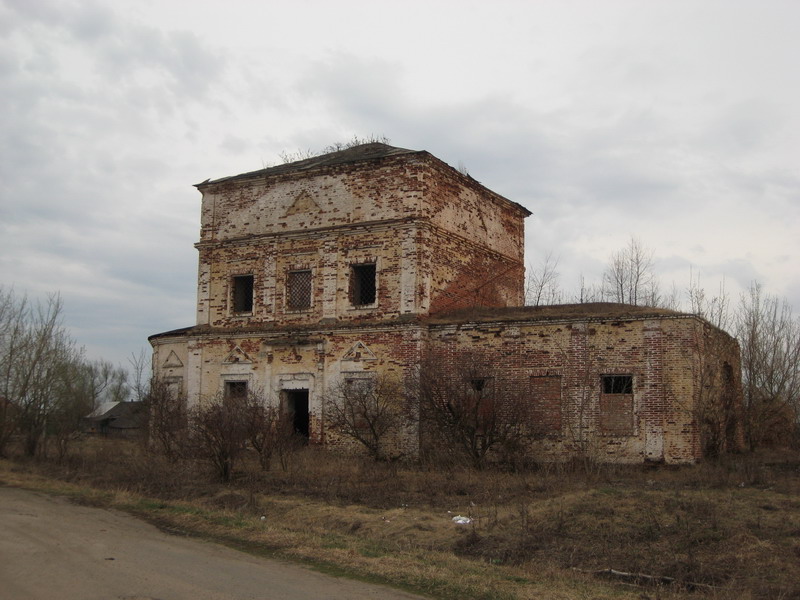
x=469, y=405
x=629, y=277
x=769, y=336
x=714, y=309
x=367, y=409
x=103, y=382
x=35, y=351
x=141, y=375
x=542, y=285
x=12, y=326
x=588, y=293
x=71, y=403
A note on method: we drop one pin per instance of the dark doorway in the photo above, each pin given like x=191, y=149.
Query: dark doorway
x=297, y=407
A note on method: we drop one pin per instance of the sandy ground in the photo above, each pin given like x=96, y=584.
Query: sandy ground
x=50, y=548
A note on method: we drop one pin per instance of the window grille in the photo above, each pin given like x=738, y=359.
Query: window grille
x=617, y=384
x=299, y=290
x=362, y=284
x=235, y=389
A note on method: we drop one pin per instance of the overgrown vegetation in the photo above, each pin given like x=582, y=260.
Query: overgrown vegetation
x=469, y=406
x=368, y=409
x=725, y=529
x=290, y=157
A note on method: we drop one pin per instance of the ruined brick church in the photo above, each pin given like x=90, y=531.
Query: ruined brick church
x=360, y=261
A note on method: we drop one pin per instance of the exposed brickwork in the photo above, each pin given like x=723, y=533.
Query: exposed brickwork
x=615, y=414
x=439, y=241
x=546, y=405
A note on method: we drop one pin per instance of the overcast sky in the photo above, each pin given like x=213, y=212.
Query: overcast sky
x=677, y=122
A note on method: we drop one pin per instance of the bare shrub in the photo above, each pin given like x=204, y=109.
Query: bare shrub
x=470, y=406
x=219, y=431
x=367, y=409
x=166, y=425
x=262, y=428
x=287, y=442
x=270, y=432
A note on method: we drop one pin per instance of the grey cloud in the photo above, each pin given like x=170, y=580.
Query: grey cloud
x=121, y=49
x=519, y=152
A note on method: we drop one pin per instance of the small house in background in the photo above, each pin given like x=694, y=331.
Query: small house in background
x=119, y=419
x=360, y=263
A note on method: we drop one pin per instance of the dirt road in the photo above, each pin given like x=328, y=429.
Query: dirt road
x=50, y=548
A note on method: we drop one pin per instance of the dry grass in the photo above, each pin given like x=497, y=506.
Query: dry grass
x=732, y=525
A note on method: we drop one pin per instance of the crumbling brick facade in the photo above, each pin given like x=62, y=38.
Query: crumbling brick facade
x=366, y=260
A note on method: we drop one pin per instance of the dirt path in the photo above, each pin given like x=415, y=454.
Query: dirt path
x=50, y=548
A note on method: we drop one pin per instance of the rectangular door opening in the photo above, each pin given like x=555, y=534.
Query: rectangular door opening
x=297, y=408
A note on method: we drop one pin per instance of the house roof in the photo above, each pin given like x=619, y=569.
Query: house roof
x=348, y=155
x=120, y=415
x=103, y=411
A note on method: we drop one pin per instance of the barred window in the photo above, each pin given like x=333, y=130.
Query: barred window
x=242, y=286
x=362, y=284
x=617, y=384
x=235, y=389
x=298, y=290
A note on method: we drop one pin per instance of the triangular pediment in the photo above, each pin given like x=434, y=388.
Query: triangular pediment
x=237, y=356
x=303, y=204
x=172, y=362
x=359, y=351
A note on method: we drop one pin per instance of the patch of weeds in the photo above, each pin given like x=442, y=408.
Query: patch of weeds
x=235, y=521
x=150, y=504
x=184, y=510
x=333, y=542
x=372, y=551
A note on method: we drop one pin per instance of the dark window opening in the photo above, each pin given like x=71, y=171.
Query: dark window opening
x=362, y=284
x=297, y=409
x=235, y=389
x=617, y=384
x=243, y=294
x=298, y=290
